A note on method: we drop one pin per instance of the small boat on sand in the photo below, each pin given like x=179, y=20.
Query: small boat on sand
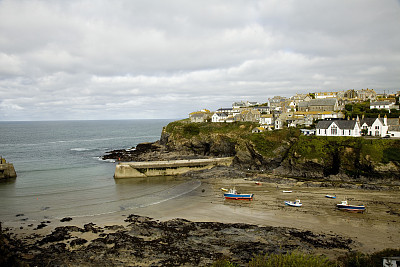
x=233, y=194
x=296, y=203
x=258, y=183
x=224, y=189
x=287, y=191
x=330, y=196
x=347, y=207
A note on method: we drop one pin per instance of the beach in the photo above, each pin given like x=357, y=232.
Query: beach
x=337, y=232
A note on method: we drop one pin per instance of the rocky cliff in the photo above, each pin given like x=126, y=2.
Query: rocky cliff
x=284, y=152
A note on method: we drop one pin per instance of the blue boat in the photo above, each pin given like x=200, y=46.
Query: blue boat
x=330, y=196
x=347, y=207
x=233, y=194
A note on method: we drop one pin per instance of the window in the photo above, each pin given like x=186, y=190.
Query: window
x=377, y=127
x=334, y=129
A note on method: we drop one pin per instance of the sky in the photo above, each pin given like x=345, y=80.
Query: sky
x=145, y=59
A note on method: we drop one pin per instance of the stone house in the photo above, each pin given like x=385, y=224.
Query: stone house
x=328, y=104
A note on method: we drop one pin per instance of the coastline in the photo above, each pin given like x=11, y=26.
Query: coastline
x=376, y=229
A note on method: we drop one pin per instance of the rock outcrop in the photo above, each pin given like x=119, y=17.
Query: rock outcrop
x=6, y=170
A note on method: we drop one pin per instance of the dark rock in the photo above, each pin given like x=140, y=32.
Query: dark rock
x=66, y=219
x=78, y=241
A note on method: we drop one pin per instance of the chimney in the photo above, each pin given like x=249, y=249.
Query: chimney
x=385, y=120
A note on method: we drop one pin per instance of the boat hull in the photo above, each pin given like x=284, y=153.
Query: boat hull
x=291, y=204
x=239, y=196
x=351, y=208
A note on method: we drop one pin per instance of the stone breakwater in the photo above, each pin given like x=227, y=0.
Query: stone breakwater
x=170, y=167
x=147, y=242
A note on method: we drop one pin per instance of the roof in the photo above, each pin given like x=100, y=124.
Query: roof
x=393, y=121
x=370, y=121
x=322, y=102
x=342, y=124
x=379, y=103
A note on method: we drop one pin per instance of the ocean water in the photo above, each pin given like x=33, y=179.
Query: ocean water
x=60, y=173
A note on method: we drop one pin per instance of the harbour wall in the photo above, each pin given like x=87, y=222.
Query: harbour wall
x=164, y=168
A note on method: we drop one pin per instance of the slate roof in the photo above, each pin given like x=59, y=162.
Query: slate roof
x=393, y=121
x=379, y=103
x=368, y=121
x=342, y=124
x=322, y=102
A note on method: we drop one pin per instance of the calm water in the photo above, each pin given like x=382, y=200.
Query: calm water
x=60, y=173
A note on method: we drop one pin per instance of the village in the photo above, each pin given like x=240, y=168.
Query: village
x=320, y=114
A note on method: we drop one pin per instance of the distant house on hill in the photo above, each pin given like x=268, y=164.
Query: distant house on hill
x=380, y=105
x=219, y=117
x=200, y=116
x=321, y=95
x=338, y=128
x=258, y=130
x=328, y=104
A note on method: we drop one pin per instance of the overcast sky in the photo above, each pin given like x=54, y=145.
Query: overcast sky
x=131, y=59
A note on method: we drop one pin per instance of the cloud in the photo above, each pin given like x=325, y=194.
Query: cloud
x=146, y=59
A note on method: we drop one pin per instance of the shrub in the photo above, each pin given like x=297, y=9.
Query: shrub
x=294, y=258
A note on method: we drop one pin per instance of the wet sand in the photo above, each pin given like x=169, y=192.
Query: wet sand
x=376, y=229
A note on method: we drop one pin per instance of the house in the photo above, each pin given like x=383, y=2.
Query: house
x=308, y=131
x=266, y=119
x=225, y=110
x=258, y=130
x=263, y=109
x=278, y=124
x=240, y=104
x=338, y=128
x=323, y=95
x=219, y=117
x=328, y=104
x=374, y=126
x=380, y=105
x=200, y=116
x=393, y=127
x=249, y=115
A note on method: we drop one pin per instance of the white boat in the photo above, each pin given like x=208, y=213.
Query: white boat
x=287, y=191
x=352, y=208
x=296, y=203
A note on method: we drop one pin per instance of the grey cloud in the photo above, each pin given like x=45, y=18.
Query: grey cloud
x=150, y=59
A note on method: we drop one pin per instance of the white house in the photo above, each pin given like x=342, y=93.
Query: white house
x=266, y=119
x=219, y=117
x=380, y=105
x=375, y=126
x=338, y=128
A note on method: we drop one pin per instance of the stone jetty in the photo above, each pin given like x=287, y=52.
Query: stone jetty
x=169, y=167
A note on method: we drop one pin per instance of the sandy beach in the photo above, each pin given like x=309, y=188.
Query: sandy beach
x=376, y=229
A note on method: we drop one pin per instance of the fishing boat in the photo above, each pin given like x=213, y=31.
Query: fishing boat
x=347, y=207
x=233, y=194
x=296, y=203
x=330, y=196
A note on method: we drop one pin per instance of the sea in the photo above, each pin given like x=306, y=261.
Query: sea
x=60, y=172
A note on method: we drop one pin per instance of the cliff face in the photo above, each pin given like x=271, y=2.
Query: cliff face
x=285, y=152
